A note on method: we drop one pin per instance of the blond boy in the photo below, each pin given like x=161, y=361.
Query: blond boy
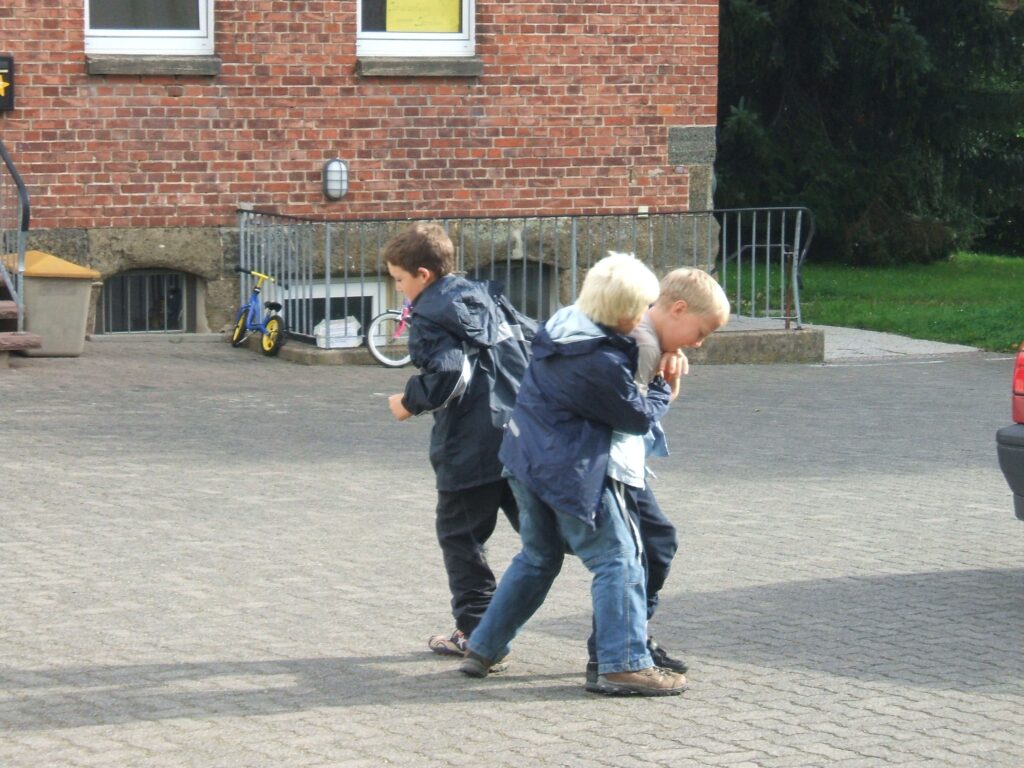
x=579, y=389
x=691, y=306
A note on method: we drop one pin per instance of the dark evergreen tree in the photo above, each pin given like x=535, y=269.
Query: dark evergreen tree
x=898, y=123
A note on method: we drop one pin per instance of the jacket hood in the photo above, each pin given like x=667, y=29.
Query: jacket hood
x=463, y=308
x=570, y=332
x=569, y=325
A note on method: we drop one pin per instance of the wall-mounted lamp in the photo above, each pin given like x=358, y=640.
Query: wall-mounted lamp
x=335, y=179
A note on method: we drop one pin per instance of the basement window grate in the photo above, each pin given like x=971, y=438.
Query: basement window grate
x=147, y=301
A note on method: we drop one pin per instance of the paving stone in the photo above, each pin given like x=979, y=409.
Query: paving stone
x=210, y=558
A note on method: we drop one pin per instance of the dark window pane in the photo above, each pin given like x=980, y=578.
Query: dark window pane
x=359, y=307
x=175, y=303
x=136, y=303
x=115, y=306
x=144, y=14
x=374, y=15
x=528, y=287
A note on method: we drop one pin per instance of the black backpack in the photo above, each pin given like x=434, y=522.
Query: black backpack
x=505, y=363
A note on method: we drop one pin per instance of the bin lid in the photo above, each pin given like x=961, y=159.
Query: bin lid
x=39, y=264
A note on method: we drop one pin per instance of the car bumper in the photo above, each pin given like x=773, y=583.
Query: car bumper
x=1010, y=447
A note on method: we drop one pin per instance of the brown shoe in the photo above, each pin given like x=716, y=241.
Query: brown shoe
x=652, y=681
x=476, y=665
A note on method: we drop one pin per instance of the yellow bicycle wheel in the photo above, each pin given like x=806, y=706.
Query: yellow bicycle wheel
x=240, y=333
x=273, y=338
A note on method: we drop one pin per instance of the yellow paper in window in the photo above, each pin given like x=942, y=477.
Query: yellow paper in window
x=424, y=15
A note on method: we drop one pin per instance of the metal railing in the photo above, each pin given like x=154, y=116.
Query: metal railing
x=332, y=269
x=14, y=219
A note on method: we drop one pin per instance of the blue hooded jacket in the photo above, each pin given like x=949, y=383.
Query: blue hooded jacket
x=578, y=389
x=470, y=395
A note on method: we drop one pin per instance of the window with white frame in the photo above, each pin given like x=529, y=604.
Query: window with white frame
x=415, y=28
x=160, y=27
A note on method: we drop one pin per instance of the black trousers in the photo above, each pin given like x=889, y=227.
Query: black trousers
x=465, y=521
x=660, y=543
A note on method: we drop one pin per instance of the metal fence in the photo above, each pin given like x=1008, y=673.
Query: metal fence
x=14, y=219
x=331, y=270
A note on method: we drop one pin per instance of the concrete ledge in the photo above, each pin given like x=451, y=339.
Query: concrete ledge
x=121, y=64
x=308, y=354
x=761, y=346
x=419, y=66
x=171, y=337
x=725, y=347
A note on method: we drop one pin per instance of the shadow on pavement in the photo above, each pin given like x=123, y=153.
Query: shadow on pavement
x=957, y=630
x=942, y=629
x=74, y=697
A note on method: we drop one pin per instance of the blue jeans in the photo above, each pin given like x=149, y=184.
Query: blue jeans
x=611, y=554
x=660, y=543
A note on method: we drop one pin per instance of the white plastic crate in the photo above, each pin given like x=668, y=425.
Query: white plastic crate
x=344, y=334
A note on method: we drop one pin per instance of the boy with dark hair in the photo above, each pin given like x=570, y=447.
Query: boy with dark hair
x=470, y=366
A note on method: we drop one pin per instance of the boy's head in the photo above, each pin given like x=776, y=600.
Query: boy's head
x=417, y=256
x=617, y=291
x=690, y=307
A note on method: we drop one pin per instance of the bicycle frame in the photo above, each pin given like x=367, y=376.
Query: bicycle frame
x=403, y=321
x=254, y=320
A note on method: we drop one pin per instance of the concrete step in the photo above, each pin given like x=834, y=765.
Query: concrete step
x=11, y=341
x=742, y=341
x=740, y=346
x=8, y=310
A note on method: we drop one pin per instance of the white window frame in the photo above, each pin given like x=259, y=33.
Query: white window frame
x=415, y=44
x=159, y=42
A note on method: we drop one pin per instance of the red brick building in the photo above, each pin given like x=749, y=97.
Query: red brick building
x=140, y=126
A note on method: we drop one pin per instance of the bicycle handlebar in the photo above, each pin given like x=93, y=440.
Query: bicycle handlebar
x=254, y=273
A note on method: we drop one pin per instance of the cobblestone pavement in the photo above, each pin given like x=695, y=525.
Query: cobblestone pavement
x=208, y=558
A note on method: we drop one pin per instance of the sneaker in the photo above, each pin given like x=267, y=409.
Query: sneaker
x=644, y=682
x=454, y=645
x=661, y=658
x=476, y=665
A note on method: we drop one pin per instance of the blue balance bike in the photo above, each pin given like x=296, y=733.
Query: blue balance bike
x=255, y=315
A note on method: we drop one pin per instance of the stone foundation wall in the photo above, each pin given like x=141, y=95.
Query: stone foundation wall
x=209, y=253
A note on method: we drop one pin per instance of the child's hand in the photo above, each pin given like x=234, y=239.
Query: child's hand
x=674, y=366
x=397, y=409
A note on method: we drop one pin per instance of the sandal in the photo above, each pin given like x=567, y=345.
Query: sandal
x=455, y=645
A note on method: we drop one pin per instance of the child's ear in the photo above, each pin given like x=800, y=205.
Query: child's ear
x=424, y=273
x=680, y=307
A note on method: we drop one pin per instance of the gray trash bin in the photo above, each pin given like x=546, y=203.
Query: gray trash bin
x=57, y=295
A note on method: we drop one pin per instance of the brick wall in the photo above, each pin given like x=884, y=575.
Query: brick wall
x=571, y=115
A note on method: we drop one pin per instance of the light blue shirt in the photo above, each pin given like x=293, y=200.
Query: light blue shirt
x=627, y=457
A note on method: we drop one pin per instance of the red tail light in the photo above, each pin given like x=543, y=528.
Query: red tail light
x=1018, y=387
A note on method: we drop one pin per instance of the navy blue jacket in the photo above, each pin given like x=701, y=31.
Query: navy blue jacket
x=578, y=389
x=471, y=395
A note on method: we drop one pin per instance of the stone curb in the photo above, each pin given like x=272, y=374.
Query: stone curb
x=727, y=347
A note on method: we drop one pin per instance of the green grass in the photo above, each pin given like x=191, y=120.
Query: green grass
x=975, y=299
